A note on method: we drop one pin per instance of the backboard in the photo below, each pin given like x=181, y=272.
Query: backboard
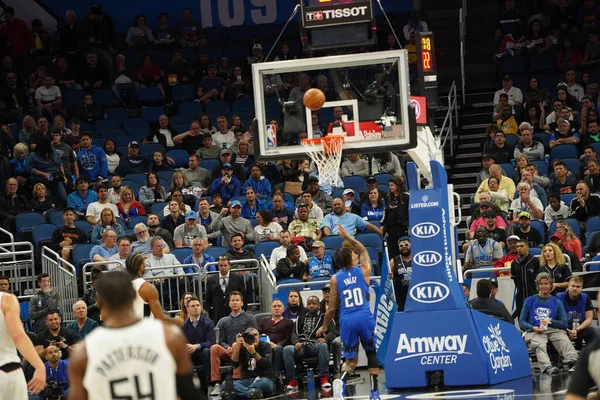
x=368, y=102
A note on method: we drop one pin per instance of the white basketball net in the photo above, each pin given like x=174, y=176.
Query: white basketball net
x=327, y=155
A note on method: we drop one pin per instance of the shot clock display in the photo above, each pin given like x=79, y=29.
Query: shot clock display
x=428, y=54
x=427, y=66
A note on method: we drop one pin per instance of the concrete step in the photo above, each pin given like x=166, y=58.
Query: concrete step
x=463, y=175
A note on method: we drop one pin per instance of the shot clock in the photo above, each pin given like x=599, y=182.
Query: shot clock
x=427, y=67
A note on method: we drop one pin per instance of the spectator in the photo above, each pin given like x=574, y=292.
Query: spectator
x=67, y=156
x=538, y=183
x=150, y=74
x=536, y=95
x=228, y=186
x=533, y=117
x=139, y=35
x=570, y=240
x=128, y=206
x=206, y=127
x=354, y=165
x=55, y=335
x=82, y=324
x=322, y=199
x=198, y=257
x=305, y=343
x=152, y=192
x=91, y=160
x=185, y=233
x=592, y=179
x=113, y=158
x=395, y=221
x=108, y=248
x=508, y=126
x=487, y=160
x=225, y=157
x=66, y=237
x=238, y=85
x=562, y=183
x=208, y=149
x=555, y=210
x=509, y=257
x=178, y=183
x=212, y=87
x=93, y=75
x=189, y=32
x=314, y=211
x=18, y=166
x=485, y=304
x=482, y=251
x=373, y=209
x=223, y=137
x=178, y=70
x=280, y=252
x=568, y=56
x=525, y=202
x=28, y=130
x=114, y=193
x=585, y=204
x=505, y=183
x=592, y=49
x=494, y=225
x=154, y=230
x=350, y=222
x=44, y=302
x=160, y=258
x=206, y=217
x=197, y=176
x=94, y=210
x=320, y=264
x=142, y=245
x=56, y=368
x=538, y=331
x=260, y=185
x=564, y=135
x=89, y=112
x=553, y=262
x=159, y=163
x=16, y=33
x=11, y=205
x=294, y=308
x=401, y=271
x=164, y=36
x=40, y=202
x=580, y=312
x=48, y=98
x=291, y=267
x=182, y=209
x=498, y=109
x=575, y=264
x=281, y=214
x=190, y=140
x=523, y=271
x=200, y=335
x=496, y=195
x=228, y=225
x=123, y=81
x=533, y=149
x=350, y=203
x=278, y=330
x=134, y=163
x=45, y=166
x=266, y=229
x=219, y=287
x=251, y=206
x=515, y=96
x=163, y=134
x=574, y=89
x=124, y=245
x=414, y=25
x=525, y=232
x=386, y=162
x=106, y=222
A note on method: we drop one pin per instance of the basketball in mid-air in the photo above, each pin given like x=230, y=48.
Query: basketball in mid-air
x=314, y=99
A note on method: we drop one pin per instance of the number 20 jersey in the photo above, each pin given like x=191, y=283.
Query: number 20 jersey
x=353, y=293
x=132, y=362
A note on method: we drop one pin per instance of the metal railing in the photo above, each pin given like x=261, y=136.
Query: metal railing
x=256, y=284
x=86, y=272
x=171, y=287
x=268, y=282
x=64, y=281
x=451, y=119
x=17, y=262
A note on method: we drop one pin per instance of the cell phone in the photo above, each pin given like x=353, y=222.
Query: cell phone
x=239, y=77
x=510, y=215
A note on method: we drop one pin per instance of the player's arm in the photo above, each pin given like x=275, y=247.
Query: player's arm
x=77, y=367
x=365, y=260
x=12, y=316
x=176, y=343
x=149, y=293
x=333, y=306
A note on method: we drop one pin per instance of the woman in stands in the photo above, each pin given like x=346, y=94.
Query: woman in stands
x=206, y=125
x=535, y=94
x=236, y=123
x=488, y=142
x=374, y=207
x=28, y=128
x=520, y=165
x=152, y=192
x=180, y=183
x=395, y=220
x=284, y=53
x=243, y=156
x=18, y=166
x=163, y=134
x=159, y=163
x=533, y=115
x=128, y=206
x=41, y=202
x=266, y=228
x=45, y=166
x=499, y=196
x=107, y=221
x=570, y=240
x=563, y=95
x=568, y=56
x=112, y=156
x=553, y=262
x=59, y=123
x=295, y=308
x=174, y=218
x=537, y=39
x=139, y=35
x=296, y=171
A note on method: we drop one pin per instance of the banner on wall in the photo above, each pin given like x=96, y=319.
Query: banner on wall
x=209, y=13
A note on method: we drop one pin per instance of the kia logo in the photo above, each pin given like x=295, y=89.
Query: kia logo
x=427, y=258
x=429, y=292
x=425, y=230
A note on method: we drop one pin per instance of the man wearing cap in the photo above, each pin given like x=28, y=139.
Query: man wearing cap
x=524, y=231
x=322, y=199
x=486, y=162
x=507, y=122
x=65, y=237
x=134, y=163
x=232, y=224
x=91, y=160
x=197, y=176
x=320, y=264
x=224, y=137
x=257, y=55
x=184, y=234
x=350, y=203
x=515, y=96
x=585, y=204
x=226, y=157
x=563, y=135
x=82, y=197
x=209, y=149
x=482, y=250
x=487, y=305
x=401, y=271
x=558, y=240
x=212, y=87
x=228, y=186
x=497, y=221
x=351, y=223
x=533, y=149
x=372, y=183
x=506, y=183
x=508, y=258
x=285, y=239
x=525, y=202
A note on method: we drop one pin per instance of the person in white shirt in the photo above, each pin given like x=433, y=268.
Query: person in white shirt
x=515, y=96
x=574, y=89
x=124, y=246
x=314, y=211
x=94, y=210
x=285, y=238
x=526, y=202
x=48, y=98
x=224, y=138
x=355, y=166
x=159, y=258
x=114, y=193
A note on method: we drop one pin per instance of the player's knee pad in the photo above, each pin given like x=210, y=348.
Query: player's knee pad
x=372, y=361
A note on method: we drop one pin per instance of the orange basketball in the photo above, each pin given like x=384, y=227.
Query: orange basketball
x=314, y=99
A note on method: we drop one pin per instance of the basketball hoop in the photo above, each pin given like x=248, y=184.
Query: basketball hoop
x=326, y=152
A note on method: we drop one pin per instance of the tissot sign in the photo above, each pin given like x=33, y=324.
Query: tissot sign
x=337, y=14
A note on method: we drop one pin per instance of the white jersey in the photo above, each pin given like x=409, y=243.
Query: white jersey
x=132, y=362
x=140, y=307
x=8, y=351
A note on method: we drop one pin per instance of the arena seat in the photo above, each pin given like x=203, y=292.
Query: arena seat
x=106, y=98
x=563, y=151
x=140, y=179
x=42, y=233
x=25, y=222
x=157, y=208
x=181, y=253
x=148, y=149
x=333, y=242
x=209, y=163
x=116, y=114
x=137, y=219
x=182, y=93
x=180, y=120
x=215, y=251
x=133, y=185
x=150, y=95
x=265, y=248
x=81, y=256
x=355, y=182
x=181, y=157
x=135, y=123
x=573, y=223
x=217, y=107
x=152, y=113
x=539, y=226
x=84, y=226
x=106, y=124
x=190, y=109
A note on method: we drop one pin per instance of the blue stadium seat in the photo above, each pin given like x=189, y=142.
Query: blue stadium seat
x=140, y=179
x=217, y=107
x=100, y=142
x=149, y=148
x=572, y=165
x=56, y=219
x=180, y=120
x=85, y=226
x=81, y=256
x=142, y=133
x=181, y=128
x=215, y=251
x=567, y=197
x=216, y=35
x=116, y=114
x=42, y=232
x=191, y=110
x=151, y=114
x=157, y=208
x=24, y=313
x=265, y=248
x=214, y=53
x=113, y=134
x=333, y=242
x=547, y=80
x=508, y=169
x=166, y=175
x=573, y=223
x=106, y=124
x=123, y=141
x=512, y=65
x=181, y=253
x=383, y=178
x=106, y=98
x=183, y=93
x=189, y=55
x=540, y=227
x=535, y=251
x=209, y=163
x=371, y=240
x=236, y=52
x=160, y=56
x=563, y=151
x=244, y=105
x=592, y=225
x=374, y=256
x=242, y=35
x=541, y=62
x=589, y=239
x=543, y=138
x=136, y=123
x=134, y=187
x=542, y=167
x=181, y=157
x=137, y=220
x=512, y=140
x=26, y=221
x=355, y=182
x=596, y=146
x=73, y=98
x=150, y=95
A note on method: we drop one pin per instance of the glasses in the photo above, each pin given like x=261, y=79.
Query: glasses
x=404, y=245
x=484, y=207
x=141, y=232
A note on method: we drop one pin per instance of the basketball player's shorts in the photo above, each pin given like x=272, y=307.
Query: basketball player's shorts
x=355, y=329
x=13, y=385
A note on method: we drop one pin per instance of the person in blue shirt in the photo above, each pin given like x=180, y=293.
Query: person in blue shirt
x=198, y=257
x=91, y=160
x=228, y=185
x=373, y=208
x=350, y=222
x=108, y=248
x=261, y=185
x=252, y=205
x=543, y=318
x=320, y=264
x=56, y=368
x=82, y=197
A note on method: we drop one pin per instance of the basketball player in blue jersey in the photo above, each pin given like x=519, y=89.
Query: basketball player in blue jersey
x=350, y=292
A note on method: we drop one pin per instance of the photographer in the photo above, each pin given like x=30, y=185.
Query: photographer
x=257, y=368
x=57, y=381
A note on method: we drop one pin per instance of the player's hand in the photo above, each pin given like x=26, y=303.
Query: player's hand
x=320, y=332
x=342, y=232
x=38, y=381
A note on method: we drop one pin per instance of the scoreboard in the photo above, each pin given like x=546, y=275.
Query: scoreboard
x=427, y=66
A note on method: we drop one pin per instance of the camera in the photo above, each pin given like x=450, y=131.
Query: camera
x=54, y=389
x=248, y=337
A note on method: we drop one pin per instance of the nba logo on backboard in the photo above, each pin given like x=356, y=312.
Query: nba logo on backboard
x=420, y=105
x=271, y=135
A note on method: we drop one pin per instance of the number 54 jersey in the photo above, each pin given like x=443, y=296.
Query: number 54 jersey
x=353, y=292
x=131, y=363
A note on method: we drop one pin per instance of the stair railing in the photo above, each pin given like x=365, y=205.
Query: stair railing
x=462, y=27
x=451, y=120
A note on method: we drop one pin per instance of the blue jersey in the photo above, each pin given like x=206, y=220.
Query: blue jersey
x=353, y=292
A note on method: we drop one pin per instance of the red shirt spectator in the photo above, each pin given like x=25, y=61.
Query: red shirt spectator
x=17, y=34
x=511, y=254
